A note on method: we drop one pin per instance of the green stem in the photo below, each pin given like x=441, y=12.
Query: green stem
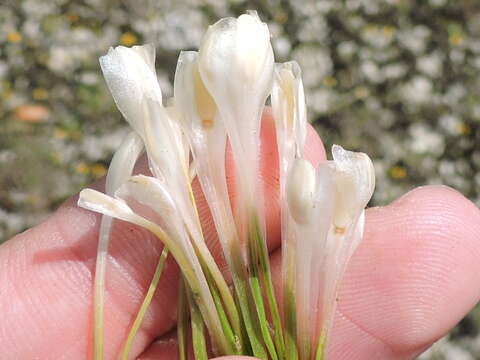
x=233, y=340
x=206, y=257
x=193, y=282
x=198, y=329
x=240, y=281
x=289, y=302
x=320, y=354
x=255, y=274
x=145, y=304
x=270, y=291
x=182, y=319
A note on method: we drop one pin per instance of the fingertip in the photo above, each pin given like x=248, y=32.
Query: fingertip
x=314, y=148
x=415, y=275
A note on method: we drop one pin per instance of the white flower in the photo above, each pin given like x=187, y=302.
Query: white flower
x=219, y=98
x=236, y=65
x=130, y=75
x=335, y=199
x=201, y=122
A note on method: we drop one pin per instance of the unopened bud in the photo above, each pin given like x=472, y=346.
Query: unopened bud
x=300, y=190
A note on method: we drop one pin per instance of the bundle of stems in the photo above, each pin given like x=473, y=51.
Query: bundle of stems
x=219, y=97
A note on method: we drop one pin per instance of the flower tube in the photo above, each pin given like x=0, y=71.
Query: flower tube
x=174, y=238
x=120, y=169
x=131, y=77
x=289, y=111
x=354, y=179
x=236, y=65
x=207, y=135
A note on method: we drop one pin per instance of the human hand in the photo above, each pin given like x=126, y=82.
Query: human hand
x=414, y=276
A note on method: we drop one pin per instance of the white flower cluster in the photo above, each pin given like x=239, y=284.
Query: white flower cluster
x=219, y=95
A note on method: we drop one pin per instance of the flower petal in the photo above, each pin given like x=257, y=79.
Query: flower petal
x=123, y=161
x=289, y=108
x=130, y=77
x=355, y=182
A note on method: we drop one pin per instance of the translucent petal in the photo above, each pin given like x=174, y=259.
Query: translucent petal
x=147, y=52
x=289, y=109
x=340, y=248
x=164, y=144
x=208, y=141
x=99, y=202
x=355, y=182
x=311, y=253
x=236, y=65
x=151, y=192
x=236, y=50
x=130, y=77
x=123, y=161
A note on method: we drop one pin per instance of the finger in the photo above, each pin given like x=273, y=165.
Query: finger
x=413, y=278
x=47, y=273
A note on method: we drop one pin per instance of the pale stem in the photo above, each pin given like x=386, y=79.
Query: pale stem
x=201, y=295
x=289, y=297
x=145, y=304
x=182, y=320
x=99, y=287
x=206, y=257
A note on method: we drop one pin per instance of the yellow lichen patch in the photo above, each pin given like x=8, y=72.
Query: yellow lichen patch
x=82, y=168
x=330, y=81
x=361, y=92
x=463, y=128
x=40, y=94
x=281, y=16
x=128, y=39
x=456, y=39
x=14, y=37
x=398, y=172
x=98, y=170
x=60, y=133
x=388, y=31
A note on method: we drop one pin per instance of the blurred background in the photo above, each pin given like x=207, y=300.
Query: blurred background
x=397, y=79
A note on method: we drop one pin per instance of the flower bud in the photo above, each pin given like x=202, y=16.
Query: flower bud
x=300, y=190
x=235, y=62
x=236, y=53
x=288, y=105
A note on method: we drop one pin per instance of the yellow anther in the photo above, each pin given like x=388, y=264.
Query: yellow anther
x=207, y=123
x=340, y=230
x=206, y=106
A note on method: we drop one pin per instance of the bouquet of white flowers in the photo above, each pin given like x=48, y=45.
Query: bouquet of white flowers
x=219, y=97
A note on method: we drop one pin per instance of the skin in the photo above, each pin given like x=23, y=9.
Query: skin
x=413, y=278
